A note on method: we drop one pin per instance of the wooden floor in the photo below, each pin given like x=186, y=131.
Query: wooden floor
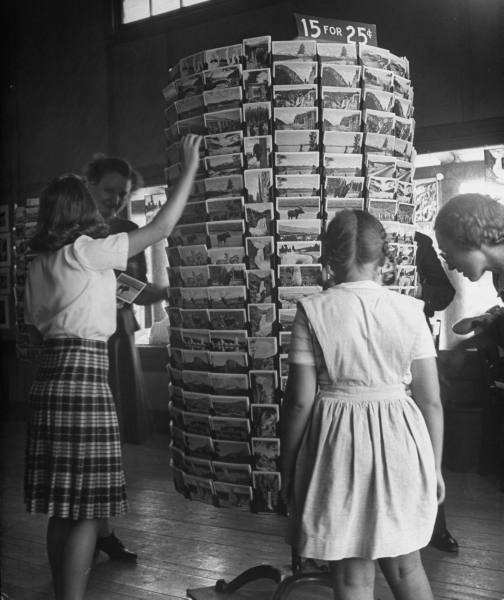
x=183, y=544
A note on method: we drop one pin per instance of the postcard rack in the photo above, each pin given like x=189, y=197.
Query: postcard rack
x=294, y=131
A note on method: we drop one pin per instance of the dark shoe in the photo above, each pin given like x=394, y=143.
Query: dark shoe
x=444, y=541
x=113, y=546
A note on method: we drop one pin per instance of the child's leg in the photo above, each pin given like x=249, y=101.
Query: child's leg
x=406, y=577
x=352, y=578
x=77, y=558
x=57, y=533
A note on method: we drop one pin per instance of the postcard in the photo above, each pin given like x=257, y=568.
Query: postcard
x=222, y=77
x=188, y=255
x=175, y=316
x=260, y=283
x=292, y=230
x=404, y=191
x=288, y=297
x=228, y=341
x=340, y=75
x=399, y=65
x=297, y=185
x=224, y=143
x=192, y=85
x=401, y=86
x=195, y=297
x=299, y=253
x=344, y=187
x=225, y=233
x=128, y=288
x=178, y=481
x=199, y=488
x=404, y=149
x=170, y=93
x=229, y=384
x=175, y=296
x=195, y=319
x=378, y=143
x=295, y=96
x=263, y=385
x=232, y=473
x=284, y=338
x=262, y=319
x=233, y=496
x=259, y=216
x=257, y=85
x=344, y=98
x=226, y=275
x=375, y=99
x=297, y=141
x=176, y=340
x=336, y=119
x=230, y=428
x=189, y=106
x=406, y=275
x=177, y=456
x=196, y=276
x=199, y=467
x=335, y=205
x=294, y=72
x=381, y=165
x=296, y=163
x=286, y=318
x=198, y=445
x=259, y=252
x=295, y=118
x=194, y=212
x=296, y=275
x=259, y=184
x=223, y=121
x=404, y=128
x=228, y=362
x=265, y=418
x=381, y=187
x=197, y=191
x=226, y=185
x=232, y=296
x=228, y=319
x=403, y=254
x=405, y=212
x=298, y=207
x=226, y=256
x=192, y=125
x=257, y=52
x=283, y=361
x=188, y=235
x=172, y=173
x=174, y=278
x=195, y=339
x=377, y=78
x=374, y=57
x=343, y=142
x=257, y=117
x=383, y=210
x=219, y=209
x=266, y=453
x=177, y=415
x=197, y=423
x=345, y=54
x=262, y=352
x=231, y=451
x=342, y=165
x=294, y=50
x=405, y=170
x=230, y=406
x=267, y=497
x=379, y=122
x=400, y=233
x=220, y=99
x=195, y=360
x=258, y=151
x=177, y=436
x=402, y=107
x=223, y=56
x=224, y=164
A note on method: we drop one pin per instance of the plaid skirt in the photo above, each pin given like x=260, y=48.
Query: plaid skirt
x=73, y=452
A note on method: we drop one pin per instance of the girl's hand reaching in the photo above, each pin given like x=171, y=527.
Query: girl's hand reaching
x=190, y=151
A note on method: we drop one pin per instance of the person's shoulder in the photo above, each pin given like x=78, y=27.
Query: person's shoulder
x=422, y=239
x=117, y=225
x=407, y=303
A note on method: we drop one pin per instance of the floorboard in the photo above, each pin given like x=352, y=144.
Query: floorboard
x=187, y=545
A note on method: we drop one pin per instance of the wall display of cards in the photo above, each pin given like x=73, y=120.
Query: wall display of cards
x=295, y=131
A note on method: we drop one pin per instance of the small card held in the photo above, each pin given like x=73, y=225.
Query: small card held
x=128, y=288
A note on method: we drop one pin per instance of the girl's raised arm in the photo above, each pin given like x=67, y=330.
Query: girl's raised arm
x=165, y=220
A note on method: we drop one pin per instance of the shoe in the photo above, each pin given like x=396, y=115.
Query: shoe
x=444, y=541
x=113, y=546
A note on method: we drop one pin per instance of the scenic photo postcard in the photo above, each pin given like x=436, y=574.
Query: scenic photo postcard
x=381, y=165
x=297, y=185
x=194, y=339
x=345, y=98
x=226, y=185
x=383, y=210
x=295, y=118
x=229, y=384
x=235, y=318
x=286, y=318
x=262, y=352
x=295, y=275
x=199, y=467
x=196, y=402
x=226, y=274
x=233, y=496
x=264, y=418
x=343, y=142
x=194, y=298
x=266, y=453
x=128, y=288
x=194, y=276
x=188, y=235
x=257, y=117
x=401, y=86
x=267, y=497
x=261, y=319
x=229, y=207
x=223, y=56
x=189, y=106
x=233, y=296
x=230, y=406
x=230, y=451
x=232, y=473
x=338, y=119
x=228, y=362
x=381, y=187
x=198, y=445
x=257, y=151
x=194, y=212
x=297, y=163
x=229, y=340
x=230, y=428
x=257, y=85
x=197, y=423
x=342, y=165
x=259, y=185
x=263, y=385
x=222, y=77
x=195, y=319
x=192, y=64
x=225, y=233
x=294, y=72
x=260, y=283
x=378, y=100
x=298, y=207
x=259, y=252
x=343, y=54
x=377, y=78
x=294, y=50
x=199, y=488
x=297, y=141
x=299, y=253
x=288, y=297
x=224, y=164
x=257, y=52
x=284, y=339
x=297, y=230
x=402, y=107
x=259, y=217
x=376, y=121
x=192, y=85
x=223, y=121
x=378, y=143
x=374, y=57
x=340, y=75
x=405, y=212
x=399, y=65
x=220, y=99
x=335, y=205
x=226, y=256
x=344, y=187
x=187, y=256
x=291, y=96
x=224, y=143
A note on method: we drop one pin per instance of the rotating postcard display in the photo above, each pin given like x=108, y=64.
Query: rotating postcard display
x=294, y=131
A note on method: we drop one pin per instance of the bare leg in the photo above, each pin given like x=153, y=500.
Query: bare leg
x=352, y=578
x=77, y=558
x=406, y=577
x=57, y=533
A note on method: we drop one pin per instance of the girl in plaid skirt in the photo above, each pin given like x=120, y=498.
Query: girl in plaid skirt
x=73, y=455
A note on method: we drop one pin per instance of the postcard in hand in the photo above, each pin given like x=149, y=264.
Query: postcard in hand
x=128, y=288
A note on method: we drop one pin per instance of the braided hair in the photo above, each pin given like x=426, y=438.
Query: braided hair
x=470, y=220
x=353, y=237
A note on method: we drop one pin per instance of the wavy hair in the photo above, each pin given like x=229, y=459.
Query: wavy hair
x=101, y=165
x=353, y=237
x=67, y=211
x=470, y=220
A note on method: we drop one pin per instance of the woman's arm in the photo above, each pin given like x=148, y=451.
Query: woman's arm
x=165, y=220
x=296, y=409
x=425, y=392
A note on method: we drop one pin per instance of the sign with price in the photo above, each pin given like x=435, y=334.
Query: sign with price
x=333, y=30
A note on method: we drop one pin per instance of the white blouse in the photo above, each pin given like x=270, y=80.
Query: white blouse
x=72, y=292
